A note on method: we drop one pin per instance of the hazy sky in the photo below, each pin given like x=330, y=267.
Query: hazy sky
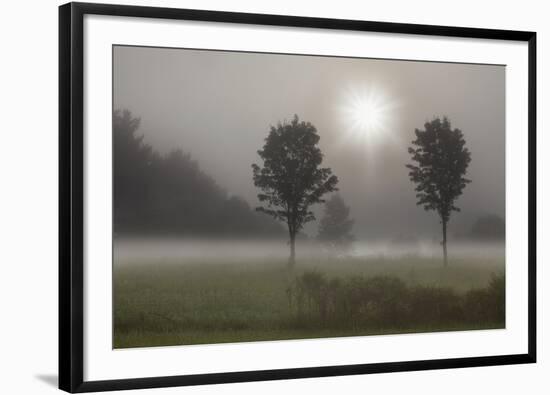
x=218, y=106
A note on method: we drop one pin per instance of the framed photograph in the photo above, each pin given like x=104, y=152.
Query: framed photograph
x=251, y=197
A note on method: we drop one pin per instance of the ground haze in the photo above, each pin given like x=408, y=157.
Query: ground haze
x=196, y=295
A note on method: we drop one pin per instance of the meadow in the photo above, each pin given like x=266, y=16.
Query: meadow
x=161, y=303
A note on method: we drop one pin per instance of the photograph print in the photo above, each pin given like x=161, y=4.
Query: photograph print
x=264, y=197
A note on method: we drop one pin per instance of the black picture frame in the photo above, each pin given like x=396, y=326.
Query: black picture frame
x=71, y=195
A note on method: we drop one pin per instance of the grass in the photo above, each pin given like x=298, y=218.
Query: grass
x=160, y=304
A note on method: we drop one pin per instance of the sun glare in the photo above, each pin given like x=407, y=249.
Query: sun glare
x=367, y=111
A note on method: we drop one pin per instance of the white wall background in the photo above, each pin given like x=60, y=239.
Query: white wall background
x=28, y=195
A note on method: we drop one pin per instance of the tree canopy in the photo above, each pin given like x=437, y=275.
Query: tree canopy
x=336, y=225
x=440, y=161
x=291, y=179
x=170, y=194
x=488, y=227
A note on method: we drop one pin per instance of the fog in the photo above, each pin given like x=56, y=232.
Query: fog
x=182, y=251
x=218, y=106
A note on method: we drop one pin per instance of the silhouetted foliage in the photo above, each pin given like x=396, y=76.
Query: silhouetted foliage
x=441, y=161
x=132, y=160
x=169, y=194
x=489, y=227
x=489, y=304
x=291, y=178
x=388, y=302
x=336, y=225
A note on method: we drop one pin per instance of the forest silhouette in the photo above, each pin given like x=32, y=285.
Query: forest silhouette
x=170, y=195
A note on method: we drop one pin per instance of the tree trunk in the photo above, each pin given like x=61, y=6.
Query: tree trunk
x=292, y=258
x=444, y=242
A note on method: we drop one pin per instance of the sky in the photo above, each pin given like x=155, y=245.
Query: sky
x=219, y=106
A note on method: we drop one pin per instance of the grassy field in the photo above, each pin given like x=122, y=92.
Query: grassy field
x=160, y=304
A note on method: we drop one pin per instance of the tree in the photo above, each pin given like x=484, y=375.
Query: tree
x=335, y=228
x=168, y=193
x=291, y=178
x=441, y=164
x=131, y=171
x=489, y=227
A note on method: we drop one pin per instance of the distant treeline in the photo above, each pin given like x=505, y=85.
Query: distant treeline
x=169, y=194
x=485, y=228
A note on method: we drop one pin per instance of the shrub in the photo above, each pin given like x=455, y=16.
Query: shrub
x=387, y=302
